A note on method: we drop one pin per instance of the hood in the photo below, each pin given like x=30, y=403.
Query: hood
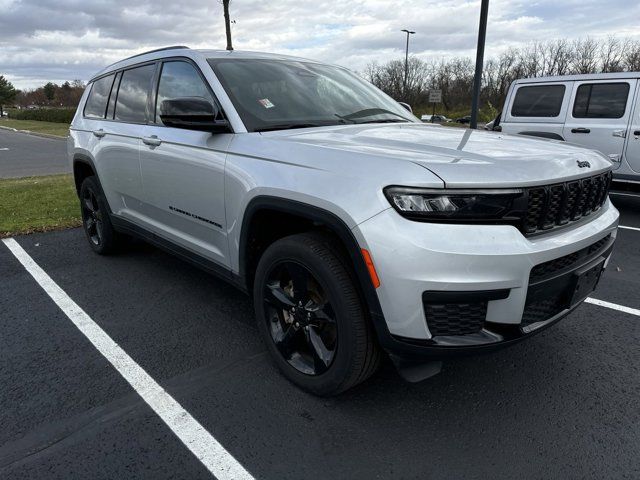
x=460, y=157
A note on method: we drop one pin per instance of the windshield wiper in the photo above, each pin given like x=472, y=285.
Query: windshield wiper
x=388, y=120
x=289, y=126
x=367, y=112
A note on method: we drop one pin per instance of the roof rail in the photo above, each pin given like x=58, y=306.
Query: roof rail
x=173, y=47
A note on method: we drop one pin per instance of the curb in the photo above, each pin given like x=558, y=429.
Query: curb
x=35, y=134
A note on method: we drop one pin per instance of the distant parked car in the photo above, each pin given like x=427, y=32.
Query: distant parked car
x=439, y=119
x=598, y=111
x=466, y=119
x=426, y=118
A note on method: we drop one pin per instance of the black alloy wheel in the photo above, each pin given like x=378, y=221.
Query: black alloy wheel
x=92, y=217
x=300, y=318
x=311, y=316
x=102, y=237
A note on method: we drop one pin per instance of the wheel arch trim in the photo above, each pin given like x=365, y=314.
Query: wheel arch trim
x=322, y=216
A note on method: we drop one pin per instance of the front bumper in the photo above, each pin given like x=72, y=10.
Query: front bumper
x=415, y=259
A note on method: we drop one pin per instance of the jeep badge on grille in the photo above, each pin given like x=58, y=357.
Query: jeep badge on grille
x=584, y=164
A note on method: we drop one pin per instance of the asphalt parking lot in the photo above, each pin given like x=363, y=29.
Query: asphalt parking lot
x=23, y=155
x=561, y=405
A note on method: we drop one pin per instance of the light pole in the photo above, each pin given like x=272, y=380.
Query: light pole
x=227, y=23
x=406, y=60
x=477, y=80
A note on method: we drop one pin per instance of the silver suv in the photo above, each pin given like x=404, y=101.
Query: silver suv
x=356, y=228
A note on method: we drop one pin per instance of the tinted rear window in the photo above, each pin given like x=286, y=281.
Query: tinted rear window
x=133, y=94
x=538, y=101
x=98, y=97
x=601, y=100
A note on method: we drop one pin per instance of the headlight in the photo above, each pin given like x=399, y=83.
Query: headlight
x=485, y=205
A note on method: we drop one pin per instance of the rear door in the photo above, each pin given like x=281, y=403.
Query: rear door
x=632, y=155
x=119, y=135
x=183, y=170
x=599, y=115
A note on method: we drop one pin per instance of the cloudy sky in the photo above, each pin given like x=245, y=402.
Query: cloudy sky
x=58, y=40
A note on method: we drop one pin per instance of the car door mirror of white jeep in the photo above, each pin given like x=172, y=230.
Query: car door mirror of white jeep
x=192, y=113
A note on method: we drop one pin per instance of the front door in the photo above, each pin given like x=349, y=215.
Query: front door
x=598, y=115
x=183, y=171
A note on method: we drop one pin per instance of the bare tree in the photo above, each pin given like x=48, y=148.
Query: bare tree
x=585, y=56
x=611, y=53
x=455, y=76
x=631, y=57
x=560, y=55
x=390, y=78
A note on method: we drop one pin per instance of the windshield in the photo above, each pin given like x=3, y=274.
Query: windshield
x=281, y=94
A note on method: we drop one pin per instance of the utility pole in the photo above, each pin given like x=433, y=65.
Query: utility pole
x=477, y=80
x=406, y=60
x=227, y=23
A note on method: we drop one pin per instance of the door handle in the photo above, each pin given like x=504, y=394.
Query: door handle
x=620, y=133
x=580, y=130
x=99, y=133
x=152, y=141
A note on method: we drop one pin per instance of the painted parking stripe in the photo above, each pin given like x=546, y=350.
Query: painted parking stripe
x=198, y=440
x=636, y=195
x=613, y=306
x=629, y=228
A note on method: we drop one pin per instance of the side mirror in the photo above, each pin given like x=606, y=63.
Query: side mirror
x=496, y=123
x=192, y=113
x=406, y=106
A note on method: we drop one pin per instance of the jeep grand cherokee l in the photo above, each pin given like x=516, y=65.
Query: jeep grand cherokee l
x=356, y=228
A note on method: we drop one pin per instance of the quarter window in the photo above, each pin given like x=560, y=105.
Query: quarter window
x=180, y=80
x=131, y=105
x=98, y=97
x=112, y=98
x=538, y=101
x=601, y=100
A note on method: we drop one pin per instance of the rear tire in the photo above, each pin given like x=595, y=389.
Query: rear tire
x=311, y=316
x=102, y=237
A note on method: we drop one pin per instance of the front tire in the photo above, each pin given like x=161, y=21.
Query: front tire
x=311, y=316
x=102, y=237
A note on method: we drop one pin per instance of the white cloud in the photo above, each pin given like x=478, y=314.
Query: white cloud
x=49, y=40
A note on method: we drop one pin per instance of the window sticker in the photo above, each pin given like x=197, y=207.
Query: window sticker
x=266, y=103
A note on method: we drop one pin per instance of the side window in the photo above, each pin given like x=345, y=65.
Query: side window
x=601, y=100
x=131, y=104
x=538, y=101
x=112, y=98
x=96, y=105
x=179, y=80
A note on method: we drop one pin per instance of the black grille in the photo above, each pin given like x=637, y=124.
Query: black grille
x=541, y=310
x=553, y=266
x=554, y=205
x=550, y=283
x=455, y=318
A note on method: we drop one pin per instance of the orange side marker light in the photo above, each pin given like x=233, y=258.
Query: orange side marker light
x=372, y=269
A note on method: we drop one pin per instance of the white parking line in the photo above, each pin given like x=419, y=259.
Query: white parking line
x=198, y=440
x=625, y=194
x=613, y=306
x=629, y=228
